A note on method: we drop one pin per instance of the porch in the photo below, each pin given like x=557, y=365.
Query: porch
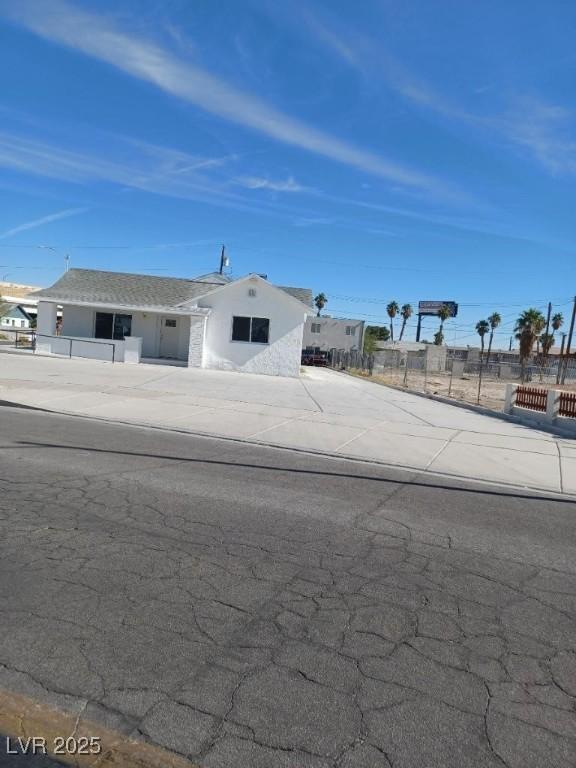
x=122, y=334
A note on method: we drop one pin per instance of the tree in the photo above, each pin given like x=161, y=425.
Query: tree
x=482, y=328
x=443, y=313
x=320, y=301
x=372, y=335
x=528, y=328
x=406, y=313
x=494, y=320
x=546, y=342
x=392, y=310
x=370, y=343
x=380, y=332
x=557, y=321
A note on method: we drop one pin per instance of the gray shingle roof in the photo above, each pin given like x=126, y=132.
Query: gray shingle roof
x=124, y=289
x=302, y=294
x=13, y=310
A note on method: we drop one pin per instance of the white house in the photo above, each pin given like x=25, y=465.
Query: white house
x=14, y=317
x=209, y=322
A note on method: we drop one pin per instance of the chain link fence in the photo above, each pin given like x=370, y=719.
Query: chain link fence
x=459, y=374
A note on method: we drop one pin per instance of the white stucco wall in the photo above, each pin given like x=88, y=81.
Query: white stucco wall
x=196, y=341
x=280, y=357
x=77, y=321
x=146, y=325
x=333, y=334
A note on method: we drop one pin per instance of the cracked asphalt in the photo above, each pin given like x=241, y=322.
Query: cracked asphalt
x=242, y=605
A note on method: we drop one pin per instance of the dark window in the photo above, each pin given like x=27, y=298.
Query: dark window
x=122, y=326
x=111, y=326
x=241, y=329
x=103, y=328
x=170, y=323
x=254, y=329
x=260, y=328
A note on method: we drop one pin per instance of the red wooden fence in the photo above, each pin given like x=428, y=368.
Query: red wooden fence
x=532, y=398
x=567, y=404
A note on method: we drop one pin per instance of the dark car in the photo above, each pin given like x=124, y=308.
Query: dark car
x=314, y=358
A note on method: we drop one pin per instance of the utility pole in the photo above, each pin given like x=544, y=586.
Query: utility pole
x=548, y=318
x=569, y=341
x=419, y=327
x=222, y=259
x=561, y=359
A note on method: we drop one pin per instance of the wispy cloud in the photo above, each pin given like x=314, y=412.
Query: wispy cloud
x=150, y=168
x=258, y=182
x=525, y=122
x=65, y=214
x=98, y=37
x=546, y=130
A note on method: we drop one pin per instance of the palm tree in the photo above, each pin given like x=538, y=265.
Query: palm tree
x=494, y=320
x=320, y=301
x=392, y=310
x=443, y=313
x=546, y=342
x=557, y=321
x=406, y=313
x=482, y=328
x=528, y=328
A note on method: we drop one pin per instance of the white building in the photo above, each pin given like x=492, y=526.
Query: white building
x=326, y=333
x=14, y=317
x=210, y=322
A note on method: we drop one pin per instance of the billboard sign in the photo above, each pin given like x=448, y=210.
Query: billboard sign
x=432, y=307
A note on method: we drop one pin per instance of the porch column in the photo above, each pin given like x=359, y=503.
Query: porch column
x=45, y=325
x=196, y=341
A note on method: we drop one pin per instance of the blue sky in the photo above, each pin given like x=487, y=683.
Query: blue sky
x=376, y=150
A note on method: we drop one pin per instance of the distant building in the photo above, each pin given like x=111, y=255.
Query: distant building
x=23, y=295
x=326, y=333
x=14, y=317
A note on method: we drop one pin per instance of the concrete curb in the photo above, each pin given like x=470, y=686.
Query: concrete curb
x=25, y=718
x=512, y=487
x=541, y=426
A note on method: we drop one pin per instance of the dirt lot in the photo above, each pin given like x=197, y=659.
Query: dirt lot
x=463, y=388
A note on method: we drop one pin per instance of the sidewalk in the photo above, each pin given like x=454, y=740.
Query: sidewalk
x=322, y=411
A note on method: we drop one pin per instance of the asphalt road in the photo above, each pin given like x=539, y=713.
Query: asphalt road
x=247, y=606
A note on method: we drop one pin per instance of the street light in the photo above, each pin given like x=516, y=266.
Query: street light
x=56, y=251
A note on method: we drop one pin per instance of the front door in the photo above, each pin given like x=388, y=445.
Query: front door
x=169, y=337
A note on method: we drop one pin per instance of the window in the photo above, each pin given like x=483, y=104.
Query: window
x=315, y=328
x=350, y=330
x=253, y=329
x=170, y=322
x=111, y=326
x=122, y=326
x=241, y=328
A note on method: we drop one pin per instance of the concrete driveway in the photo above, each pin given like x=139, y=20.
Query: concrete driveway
x=323, y=411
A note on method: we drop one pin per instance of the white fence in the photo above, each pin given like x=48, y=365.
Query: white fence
x=128, y=350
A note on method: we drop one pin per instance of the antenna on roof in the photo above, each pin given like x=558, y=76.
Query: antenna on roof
x=224, y=260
